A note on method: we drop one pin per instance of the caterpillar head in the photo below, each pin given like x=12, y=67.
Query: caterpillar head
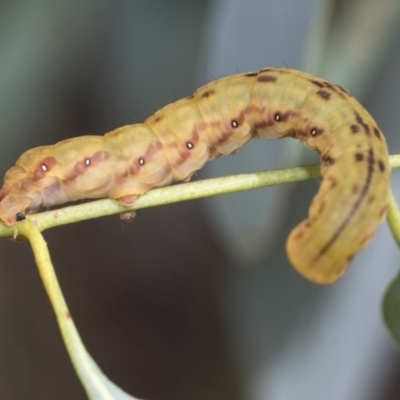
x=28, y=185
x=16, y=196
x=12, y=208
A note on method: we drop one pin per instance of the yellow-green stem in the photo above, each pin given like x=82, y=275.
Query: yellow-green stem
x=393, y=218
x=173, y=194
x=87, y=371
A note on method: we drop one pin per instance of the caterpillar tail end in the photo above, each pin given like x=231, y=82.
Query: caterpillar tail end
x=305, y=257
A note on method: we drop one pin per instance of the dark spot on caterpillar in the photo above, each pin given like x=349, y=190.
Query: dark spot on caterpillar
x=355, y=189
x=208, y=93
x=282, y=117
x=324, y=94
x=87, y=162
x=327, y=160
x=19, y=216
x=152, y=150
x=44, y=166
x=359, y=156
x=377, y=133
x=371, y=160
x=317, y=83
x=234, y=123
x=266, y=78
x=190, y=144
x=343, y=90
x=337, y=89
x=158, y=118
x=362, y=123
x=251, y=74
x=331, y=86
x=381, y=166
x=141, y=161
x=68, y=314
x=316, y=132
x=355, y=128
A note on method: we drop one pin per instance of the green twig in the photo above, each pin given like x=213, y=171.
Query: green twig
x=393, y=218
x=97, y=386
x=173, y=194
x=168, y=195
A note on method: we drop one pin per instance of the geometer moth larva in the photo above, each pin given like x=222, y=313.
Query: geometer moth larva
x=218, y=119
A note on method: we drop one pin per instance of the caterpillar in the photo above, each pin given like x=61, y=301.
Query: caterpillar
x=218, y=119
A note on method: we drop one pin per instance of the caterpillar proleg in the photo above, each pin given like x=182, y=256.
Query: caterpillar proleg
x=218, y=119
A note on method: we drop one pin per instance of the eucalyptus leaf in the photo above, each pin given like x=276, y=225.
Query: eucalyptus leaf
x=391, y=309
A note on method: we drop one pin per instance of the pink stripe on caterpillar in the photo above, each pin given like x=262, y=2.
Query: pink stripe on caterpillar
x=218, y=119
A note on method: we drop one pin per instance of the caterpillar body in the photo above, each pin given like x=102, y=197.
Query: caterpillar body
x=218, y=119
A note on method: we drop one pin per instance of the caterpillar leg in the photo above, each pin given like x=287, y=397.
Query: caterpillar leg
x=126, y=201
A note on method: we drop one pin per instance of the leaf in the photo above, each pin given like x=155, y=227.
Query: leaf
x=107, y=390
x=391, y=309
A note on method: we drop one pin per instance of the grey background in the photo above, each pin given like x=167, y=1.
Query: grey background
x=197, y=299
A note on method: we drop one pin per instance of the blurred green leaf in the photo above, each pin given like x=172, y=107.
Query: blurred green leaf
x=391, y=309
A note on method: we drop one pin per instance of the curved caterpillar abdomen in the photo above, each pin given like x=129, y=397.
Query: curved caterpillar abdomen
x=218, y=119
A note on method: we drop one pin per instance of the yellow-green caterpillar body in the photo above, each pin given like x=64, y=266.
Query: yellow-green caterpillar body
x=218, y=119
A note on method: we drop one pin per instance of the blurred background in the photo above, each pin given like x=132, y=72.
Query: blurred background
x=193, y=300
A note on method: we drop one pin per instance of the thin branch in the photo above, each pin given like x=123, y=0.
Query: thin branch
x=97, y=386
x=393, y=218
x=174, y=194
